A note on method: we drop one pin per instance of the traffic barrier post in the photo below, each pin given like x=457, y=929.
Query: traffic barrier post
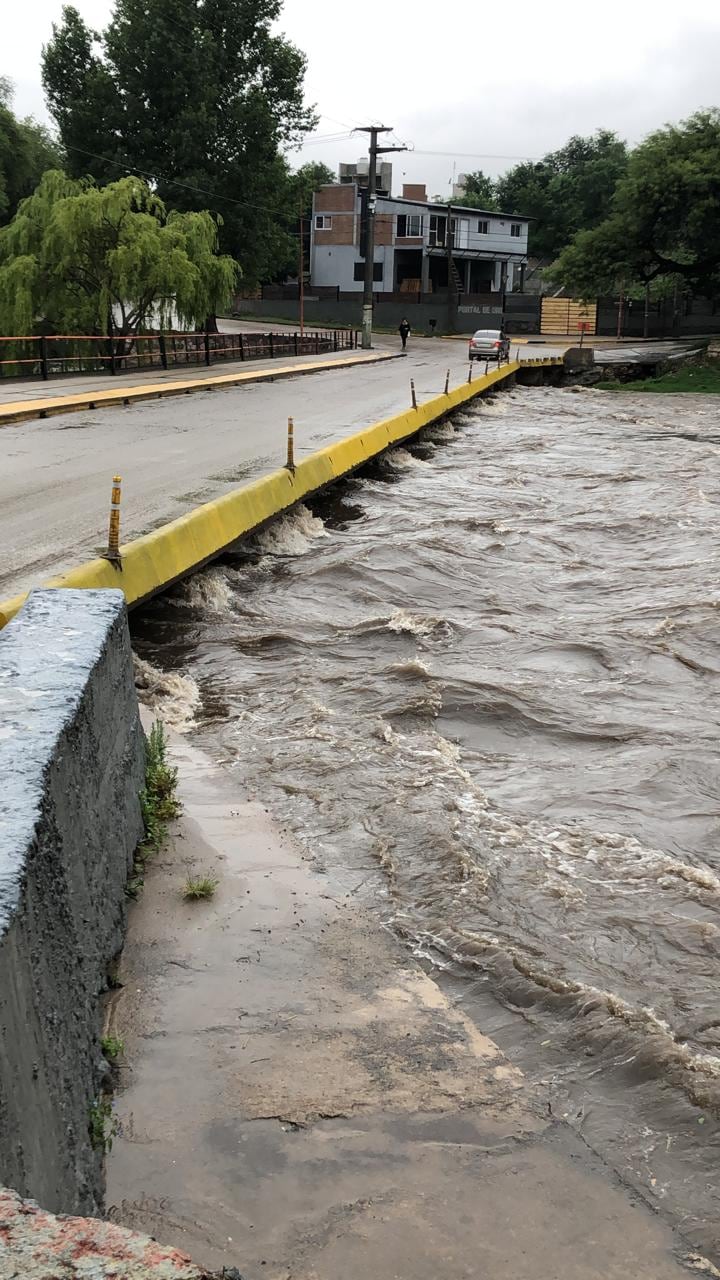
x=290, y=464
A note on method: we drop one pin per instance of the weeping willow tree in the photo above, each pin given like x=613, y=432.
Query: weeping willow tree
x=78, y=258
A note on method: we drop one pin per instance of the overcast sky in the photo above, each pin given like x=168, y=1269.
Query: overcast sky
x=497, y=81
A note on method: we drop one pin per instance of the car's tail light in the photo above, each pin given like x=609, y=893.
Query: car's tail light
x=497, y=344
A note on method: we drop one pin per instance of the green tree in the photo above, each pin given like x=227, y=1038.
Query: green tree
x=664, y=222
x=479, y=191
x=568, y=191
x=26, y=151
x=76, y=254
x=199, y=96
x=302, y=185
x=306, y=180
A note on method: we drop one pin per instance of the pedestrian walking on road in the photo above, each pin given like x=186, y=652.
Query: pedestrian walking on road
x=403, y=330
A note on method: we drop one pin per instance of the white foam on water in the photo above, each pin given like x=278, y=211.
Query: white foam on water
x=442, y=431
x=494, y=408
x=414, y=667
x=403, y=459
x=413, y=624
x=175, y=699
x=292, y=534
x=209, y=591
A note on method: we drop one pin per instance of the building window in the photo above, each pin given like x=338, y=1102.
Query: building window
x=359, y=273
x=323, y=222
x=437, y=230
x=461, y=232
x=516, y=229
x=409, y=224
x=483, y=227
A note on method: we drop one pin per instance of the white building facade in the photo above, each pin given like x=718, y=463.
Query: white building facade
x=411, y=245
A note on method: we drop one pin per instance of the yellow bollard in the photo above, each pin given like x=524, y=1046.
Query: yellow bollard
x=290, y=464
x=412, y=392
x=113, y=547
x=447, y=382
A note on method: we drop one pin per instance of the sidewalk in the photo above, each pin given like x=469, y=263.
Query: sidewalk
x=299, y=1098
x=33, y=399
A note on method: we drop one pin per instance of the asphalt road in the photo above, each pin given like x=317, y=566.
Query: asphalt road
x=174, y=454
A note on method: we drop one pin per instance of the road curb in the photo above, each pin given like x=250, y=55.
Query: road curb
x=23, y=411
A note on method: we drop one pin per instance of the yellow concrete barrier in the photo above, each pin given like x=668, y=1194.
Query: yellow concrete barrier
x=153, y=562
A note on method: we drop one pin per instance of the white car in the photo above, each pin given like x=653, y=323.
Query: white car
x=489, y=344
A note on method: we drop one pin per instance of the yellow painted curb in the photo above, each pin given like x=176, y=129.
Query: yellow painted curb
x=20, y=410
x=155, y=561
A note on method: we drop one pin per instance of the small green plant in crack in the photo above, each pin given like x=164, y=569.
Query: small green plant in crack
x=159, y=805
x=103, y=1124
x=158, y=799
x=113, y=1047
x=197, y=887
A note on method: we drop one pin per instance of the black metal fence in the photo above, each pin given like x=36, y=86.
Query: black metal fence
x=682, y=317
x=58, y=355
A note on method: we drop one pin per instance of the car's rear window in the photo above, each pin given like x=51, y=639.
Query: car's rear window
x=487, y=333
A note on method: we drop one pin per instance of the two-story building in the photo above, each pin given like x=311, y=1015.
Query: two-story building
x=411, y=249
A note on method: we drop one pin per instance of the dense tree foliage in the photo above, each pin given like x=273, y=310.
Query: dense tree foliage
x=76, y=254
x=569, y=190
x=308, y=179
x=26, y=151
x=664, y=221
x=479, y=191
x=198, y=96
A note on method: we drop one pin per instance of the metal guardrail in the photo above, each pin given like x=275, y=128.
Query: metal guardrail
x=56, y=355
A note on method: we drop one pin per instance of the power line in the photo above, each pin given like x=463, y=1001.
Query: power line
x=343, y=123
x=314, y=139
x=473, y=155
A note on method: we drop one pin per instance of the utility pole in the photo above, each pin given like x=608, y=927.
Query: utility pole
x=367, y=312
x=452, y=286
x=301, y=277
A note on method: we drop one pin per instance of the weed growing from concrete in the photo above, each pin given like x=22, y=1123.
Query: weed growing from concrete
x=103, y=1124
x=158, y=799
x=159, y=804
x=197, y=887
x=113, y=1047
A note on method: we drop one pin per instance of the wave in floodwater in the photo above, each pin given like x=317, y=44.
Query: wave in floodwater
x=173, y=698
x=484, y=678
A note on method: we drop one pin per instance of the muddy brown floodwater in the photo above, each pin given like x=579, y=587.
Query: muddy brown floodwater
x=486, y=672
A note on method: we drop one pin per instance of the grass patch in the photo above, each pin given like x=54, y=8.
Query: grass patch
x=197, y=887
x=703, y=378
x=113, y=1047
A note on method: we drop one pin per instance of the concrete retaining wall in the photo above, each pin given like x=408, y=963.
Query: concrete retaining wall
x=522, y=312
x=71, y=768
x=386, y=314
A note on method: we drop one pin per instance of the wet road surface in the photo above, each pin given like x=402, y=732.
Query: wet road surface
x=174, y=454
